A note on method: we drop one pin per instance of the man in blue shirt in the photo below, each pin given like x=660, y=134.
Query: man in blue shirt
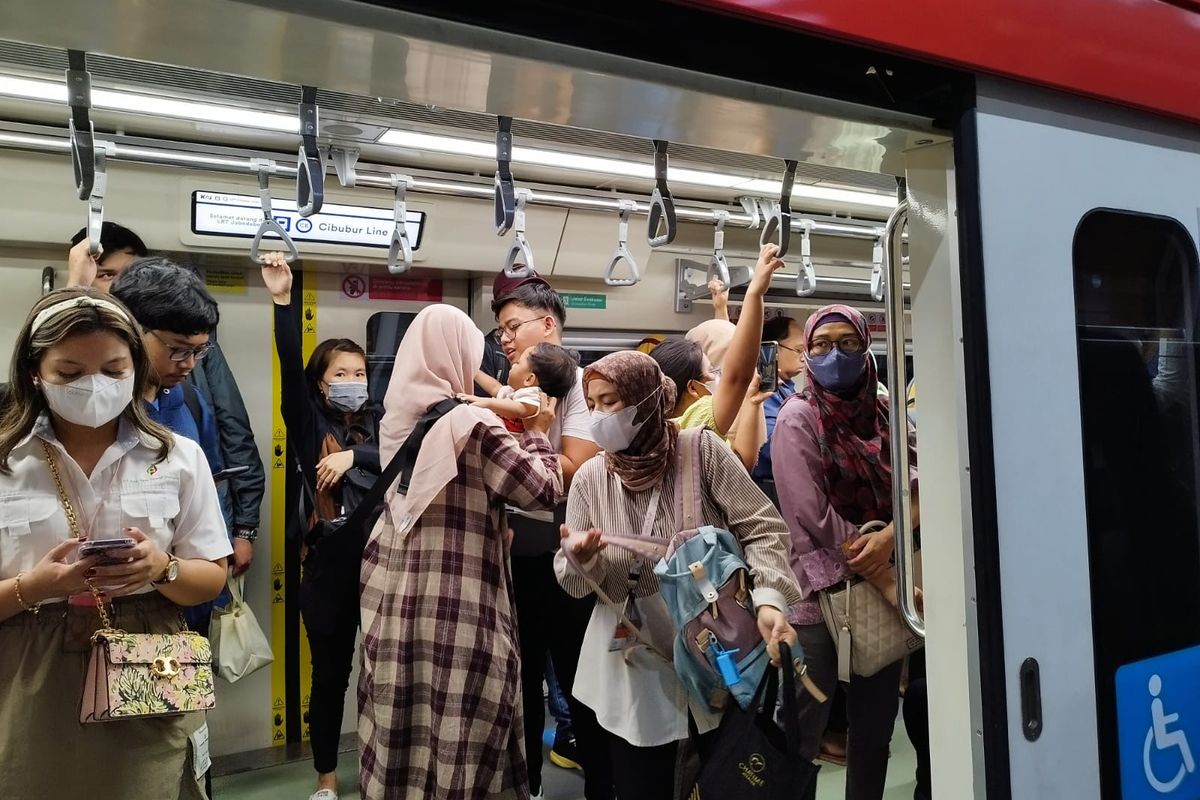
x=177, y=316
x=790, y=335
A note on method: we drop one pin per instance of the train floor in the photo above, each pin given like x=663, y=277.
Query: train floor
x=294, y=781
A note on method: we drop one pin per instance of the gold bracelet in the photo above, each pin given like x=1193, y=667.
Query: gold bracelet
x=35, y=608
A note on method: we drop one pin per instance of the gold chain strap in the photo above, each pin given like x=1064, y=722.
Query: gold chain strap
x=76, y=531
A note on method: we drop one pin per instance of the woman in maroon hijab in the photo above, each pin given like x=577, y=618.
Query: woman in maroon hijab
x=833, y=473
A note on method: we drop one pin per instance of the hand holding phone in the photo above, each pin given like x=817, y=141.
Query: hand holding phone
x=768, y=366
x=109, y=551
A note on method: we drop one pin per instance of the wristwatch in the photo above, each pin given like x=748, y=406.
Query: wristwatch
x=249, y=534
x=170, y=573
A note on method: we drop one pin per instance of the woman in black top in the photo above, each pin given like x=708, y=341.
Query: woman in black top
x=335, y=440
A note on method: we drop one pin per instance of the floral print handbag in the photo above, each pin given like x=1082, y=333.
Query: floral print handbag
x=139, y=675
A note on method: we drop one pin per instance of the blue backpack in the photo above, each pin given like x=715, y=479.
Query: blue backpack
x=705, y=582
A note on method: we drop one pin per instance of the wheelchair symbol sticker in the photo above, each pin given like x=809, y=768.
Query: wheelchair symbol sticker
x=1158, y=722
x=1161, y=737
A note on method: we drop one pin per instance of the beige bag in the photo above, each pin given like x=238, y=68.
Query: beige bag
x=239, y=645
x=867, y=630
x=138, y=675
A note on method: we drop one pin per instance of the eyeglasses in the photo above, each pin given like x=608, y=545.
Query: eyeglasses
x=510, y=330
x=179, y=354
x=850, y=345
x=795, y=350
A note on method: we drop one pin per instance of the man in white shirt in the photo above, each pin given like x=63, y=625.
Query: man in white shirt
x=528, y=312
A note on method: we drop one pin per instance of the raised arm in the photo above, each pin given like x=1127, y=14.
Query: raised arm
x=741, y=359
x=294, y=402
x=523, y=473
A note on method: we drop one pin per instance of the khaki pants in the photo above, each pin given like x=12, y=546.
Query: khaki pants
x=44, y=749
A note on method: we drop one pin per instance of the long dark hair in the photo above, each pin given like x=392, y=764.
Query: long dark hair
x=25, y=402
x=314, y=374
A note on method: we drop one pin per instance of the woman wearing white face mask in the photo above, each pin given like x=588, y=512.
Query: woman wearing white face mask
x=630, y=490
x=77, y=366
x=336, y=441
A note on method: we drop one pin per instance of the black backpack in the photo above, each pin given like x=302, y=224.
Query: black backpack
x=335, y=546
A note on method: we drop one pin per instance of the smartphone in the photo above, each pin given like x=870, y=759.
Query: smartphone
x=229, y=472
x=768, y=367
x=109, y=550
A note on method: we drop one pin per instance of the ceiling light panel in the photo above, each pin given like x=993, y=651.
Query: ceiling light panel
x=108, y=100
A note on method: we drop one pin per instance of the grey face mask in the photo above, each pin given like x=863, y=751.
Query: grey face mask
x=347, y=396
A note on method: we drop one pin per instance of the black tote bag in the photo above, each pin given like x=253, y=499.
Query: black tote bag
x=752, y=757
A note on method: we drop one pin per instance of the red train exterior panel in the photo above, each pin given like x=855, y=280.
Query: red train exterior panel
x=1139, y=53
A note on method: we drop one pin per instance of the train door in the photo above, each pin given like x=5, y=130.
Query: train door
x=1087, y=245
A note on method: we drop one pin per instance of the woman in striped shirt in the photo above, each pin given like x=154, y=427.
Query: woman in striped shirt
x=639, y=702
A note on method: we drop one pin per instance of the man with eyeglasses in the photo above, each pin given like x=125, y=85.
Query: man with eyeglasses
x=242, y=497
x=177, y=316
x=528, y=312
x=790, y=336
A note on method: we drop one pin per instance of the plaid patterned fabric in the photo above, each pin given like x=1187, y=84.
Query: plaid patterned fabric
x=439, y=697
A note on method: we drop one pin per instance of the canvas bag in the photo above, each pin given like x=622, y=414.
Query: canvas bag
x=239, y=645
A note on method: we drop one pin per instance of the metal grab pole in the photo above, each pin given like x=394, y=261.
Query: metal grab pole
x=906, y=590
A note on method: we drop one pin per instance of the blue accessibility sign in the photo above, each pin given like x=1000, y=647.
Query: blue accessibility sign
x=1158, y=724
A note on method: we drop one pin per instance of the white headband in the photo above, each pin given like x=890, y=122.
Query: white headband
x=45, y=314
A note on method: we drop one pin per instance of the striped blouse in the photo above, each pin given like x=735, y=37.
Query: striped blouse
x=646, y=705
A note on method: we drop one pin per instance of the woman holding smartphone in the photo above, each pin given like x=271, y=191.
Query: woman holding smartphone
x=77, y=366
x=336, y=439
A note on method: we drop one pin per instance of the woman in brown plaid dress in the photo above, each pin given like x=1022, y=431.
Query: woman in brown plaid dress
x=439, y=697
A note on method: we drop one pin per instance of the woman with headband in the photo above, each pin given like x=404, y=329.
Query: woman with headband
x=77, y=367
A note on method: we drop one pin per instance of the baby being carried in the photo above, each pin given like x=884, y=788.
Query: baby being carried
x=542, y=369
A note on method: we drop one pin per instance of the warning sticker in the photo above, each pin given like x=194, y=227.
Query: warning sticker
x=225, y=281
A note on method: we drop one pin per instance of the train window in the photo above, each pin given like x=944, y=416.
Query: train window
x=1136, y=307
x=385, y=330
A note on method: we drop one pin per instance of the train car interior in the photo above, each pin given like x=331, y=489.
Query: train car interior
x=442, y=148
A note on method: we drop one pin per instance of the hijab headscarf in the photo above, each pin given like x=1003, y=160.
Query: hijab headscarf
x=636, y=377
x=437, y=360
x=713, y=337
x=853, y=432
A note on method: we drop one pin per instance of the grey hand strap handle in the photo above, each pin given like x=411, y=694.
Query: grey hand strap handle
x=622, y=253
x=519, y=261
x=400, y=254
x=268, y=224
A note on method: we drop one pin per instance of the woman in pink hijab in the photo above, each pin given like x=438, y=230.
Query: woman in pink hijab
x=439, y=696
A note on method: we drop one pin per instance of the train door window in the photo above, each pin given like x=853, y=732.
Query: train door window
x=385, y=330
x=1136, y=307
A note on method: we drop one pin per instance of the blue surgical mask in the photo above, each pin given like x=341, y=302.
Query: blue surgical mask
x=347, y=396
x=837, y=371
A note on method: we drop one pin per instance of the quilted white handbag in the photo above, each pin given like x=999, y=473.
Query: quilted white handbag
x=866, y=628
